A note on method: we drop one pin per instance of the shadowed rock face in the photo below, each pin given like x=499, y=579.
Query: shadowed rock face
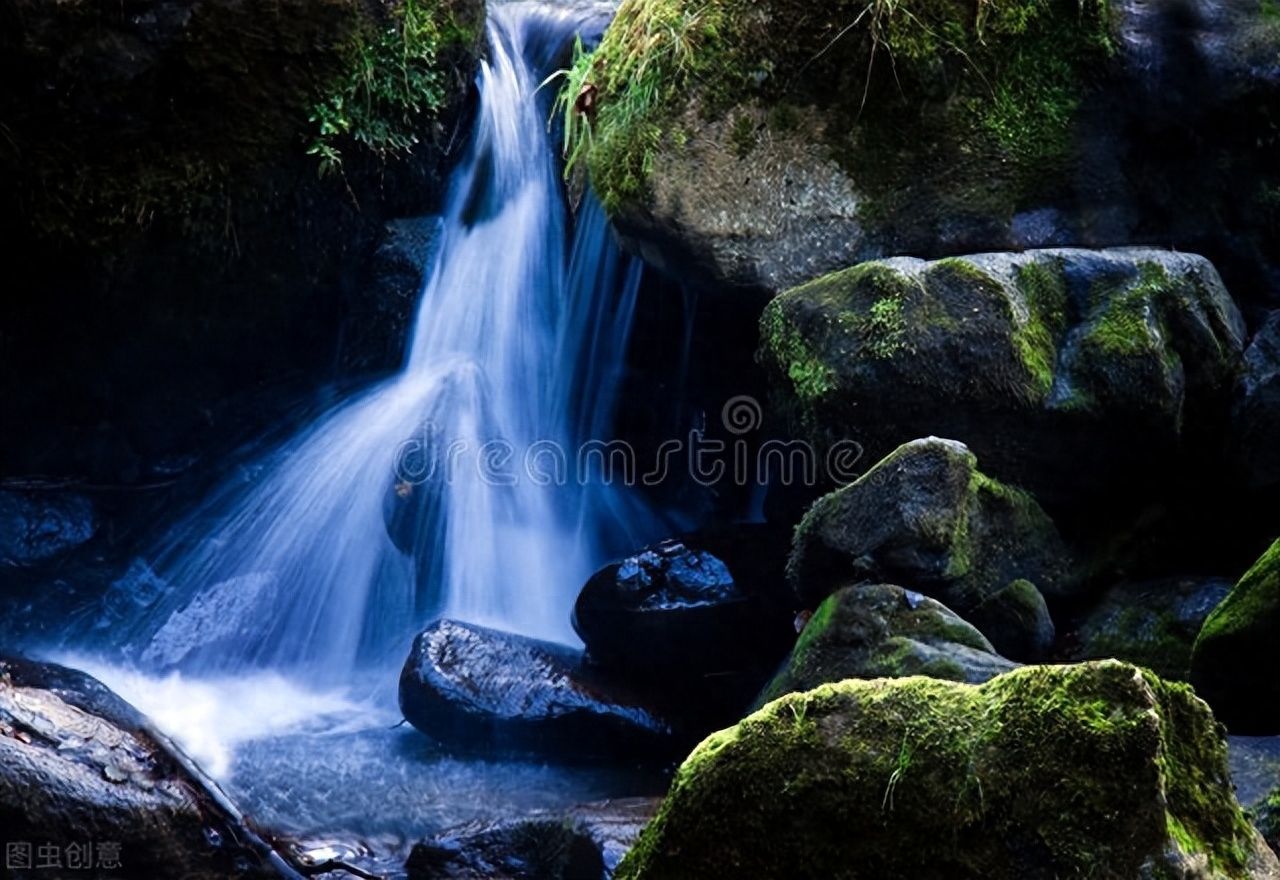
x=79, y=765
x=1046, y=771
x=477, y=689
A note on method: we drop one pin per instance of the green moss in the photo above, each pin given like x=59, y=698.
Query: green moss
x=1078, y=771
x=1045, y=294
x=1123, y=325
x=1006, y=80
x=1256, y=596
x=395, y=81
x=811, y=378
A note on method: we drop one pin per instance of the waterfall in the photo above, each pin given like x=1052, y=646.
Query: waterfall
x=452, y=488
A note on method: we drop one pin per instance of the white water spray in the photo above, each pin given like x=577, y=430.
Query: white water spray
x=517, y=344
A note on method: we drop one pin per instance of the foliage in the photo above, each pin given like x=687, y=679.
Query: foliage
x=394, y=82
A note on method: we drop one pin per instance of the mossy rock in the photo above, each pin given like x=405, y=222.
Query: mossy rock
x=1017, y=621
x=883, y=631
x=1112, y=360
x=1096, y=770
x=769, y=141
x=926, y=518
x=1235, y=663
x=1266, y=818
x=1152, y=624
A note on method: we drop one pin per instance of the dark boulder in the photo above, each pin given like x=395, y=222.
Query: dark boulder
x=82, y=772
x=1235, y=663
x=883, y=631
x=1017, y=621
x=479, y=690
x=37, y=527
x=927, y=519
x=1151, y=624
x=1255, y=415
x=586, y=843
x=672, y=610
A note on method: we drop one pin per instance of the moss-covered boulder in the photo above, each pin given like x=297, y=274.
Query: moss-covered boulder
x=1018, y=618
x=766, y=143
x=1235, y=663
x=1255, y=414
x=1151, y=624
x=926, y=518
x=1112, y=361
x=1096, y=770
x=883, y=631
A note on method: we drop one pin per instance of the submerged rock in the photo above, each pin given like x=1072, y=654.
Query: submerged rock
x=37, y=527
x=83, y=774
x=1235, y=663
x=1097, y=770
x=883, y=631
x=480, y=690
x=586, y=843
x=927, y=519
x=1151, y=624
x=1068, y=372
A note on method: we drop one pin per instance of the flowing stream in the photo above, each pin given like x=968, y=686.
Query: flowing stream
x=277, y=614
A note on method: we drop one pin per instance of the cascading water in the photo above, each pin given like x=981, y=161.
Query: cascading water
x=454, y=487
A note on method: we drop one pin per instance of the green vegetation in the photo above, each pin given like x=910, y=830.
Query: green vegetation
x=394, y=83
x=811, y=378
x=1007, y=79
x=916, y=777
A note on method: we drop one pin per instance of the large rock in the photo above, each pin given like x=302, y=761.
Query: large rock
x=1094, y=770
x=1116, y=361
x=883, y=631
x=86, y=778
x=1235, y=663
x=479, y=690
x=927, y=519
x=1256, y=411
x=1151, y=624
x=586, y=843
x=767, y=145
x=37, y=527
x=672, y=610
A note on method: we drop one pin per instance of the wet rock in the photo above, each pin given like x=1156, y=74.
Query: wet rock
x=82, y=771
x=35, y=527
x=883, y=631
x=479, y=690
x=1255, y=415
x=381, y=318
x=672, y=610
x=1235, y=663
x=1046, y=771
x=927, y=519
x=586, y=843
x=1118, y=361
x=1151, y=624
x=1017, y=621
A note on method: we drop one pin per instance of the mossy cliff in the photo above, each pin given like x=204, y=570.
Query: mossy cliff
x=873, y=119
x=1097, y=770
x=1235, y=663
